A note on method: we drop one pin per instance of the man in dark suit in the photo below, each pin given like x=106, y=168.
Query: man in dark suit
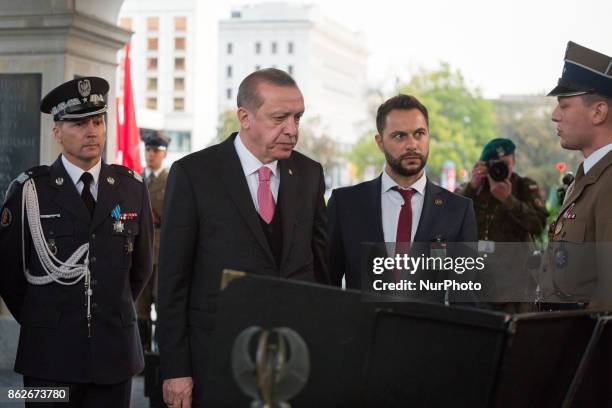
x=250, y=203
x=71, y=279
x=401, y=205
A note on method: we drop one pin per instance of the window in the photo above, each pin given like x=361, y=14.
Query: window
x=179, y=64
x=228, y=93
x=290, y=47
x=179, y=43
x=180, y=23
x=151, y=63
x=152, y=44
x=273, y=48
x=228, y=71
x=257, y=48
x=152, y=103
x=152, y=23
x=125, y=22
x=179, y=104
x=290, y=69
x=179, y=84
x=230, y=48
x=152, y=84
x=180, y=140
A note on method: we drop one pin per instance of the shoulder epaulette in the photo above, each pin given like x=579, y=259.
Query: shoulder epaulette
x=23, y=177
x=126, y=171
x=31, y=173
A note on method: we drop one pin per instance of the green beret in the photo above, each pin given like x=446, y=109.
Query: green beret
x=497, y=148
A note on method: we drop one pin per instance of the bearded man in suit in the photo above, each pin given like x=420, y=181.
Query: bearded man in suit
x=250, y=203
x=401, y=206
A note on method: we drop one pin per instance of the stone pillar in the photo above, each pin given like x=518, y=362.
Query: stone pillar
x=62, y=39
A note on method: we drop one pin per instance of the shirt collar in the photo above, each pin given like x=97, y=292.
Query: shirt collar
x=250, y=163
x=388, y=183
x=157, y=172
x=75, y=172
x=595, y=157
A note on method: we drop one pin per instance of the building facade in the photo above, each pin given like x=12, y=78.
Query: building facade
x=172, y=41
x=327, y=60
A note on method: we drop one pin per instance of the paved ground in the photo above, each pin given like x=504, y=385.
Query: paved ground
x=10, y=379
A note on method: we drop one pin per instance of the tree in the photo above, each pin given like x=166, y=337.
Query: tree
x=227, y=124
x=316, y=144
x=461, y=121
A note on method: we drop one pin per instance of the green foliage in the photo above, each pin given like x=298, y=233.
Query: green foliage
x=461, y=120
x=365, y=154
x=319, y=147
x=527, y=122
x=227, y=124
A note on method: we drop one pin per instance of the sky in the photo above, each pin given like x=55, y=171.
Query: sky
x=501, y=47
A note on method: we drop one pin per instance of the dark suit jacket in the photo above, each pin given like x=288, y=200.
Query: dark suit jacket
x=53, y=342
x=210, y=224
x=355, y=218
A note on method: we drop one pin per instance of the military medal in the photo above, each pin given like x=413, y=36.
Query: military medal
x=118, y=226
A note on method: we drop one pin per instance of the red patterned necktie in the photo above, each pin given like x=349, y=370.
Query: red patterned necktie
x=264, y=195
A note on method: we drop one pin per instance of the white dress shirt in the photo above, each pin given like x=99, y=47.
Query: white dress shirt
x=75, y=173
x=250, y=165
x=595, y=157
x=148, y=171
x=392, y=201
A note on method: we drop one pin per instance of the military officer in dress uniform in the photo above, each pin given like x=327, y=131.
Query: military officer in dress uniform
x=508, y=210
x=580, y=253
x=155, y=176
x=76, y=239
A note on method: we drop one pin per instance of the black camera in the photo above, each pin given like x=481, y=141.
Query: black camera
x=498, y=170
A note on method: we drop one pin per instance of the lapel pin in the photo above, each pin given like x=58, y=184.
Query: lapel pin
x=290, y=172
x=110, y=180
x=438, y=201
x=59, y=181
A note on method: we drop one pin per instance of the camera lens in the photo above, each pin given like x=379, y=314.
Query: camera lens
x=498, y=170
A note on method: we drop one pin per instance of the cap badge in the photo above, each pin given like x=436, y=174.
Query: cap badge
x=84, y=88
x=110, y=180
x=59, y=181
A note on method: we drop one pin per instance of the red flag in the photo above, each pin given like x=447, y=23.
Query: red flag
x=128, y=135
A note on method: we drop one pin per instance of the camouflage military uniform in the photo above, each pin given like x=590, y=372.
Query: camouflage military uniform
x=520, y=218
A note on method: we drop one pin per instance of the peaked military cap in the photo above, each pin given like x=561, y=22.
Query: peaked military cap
x=156, y=139
x=76, y=99
x=497, y=148
x=585, y=71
